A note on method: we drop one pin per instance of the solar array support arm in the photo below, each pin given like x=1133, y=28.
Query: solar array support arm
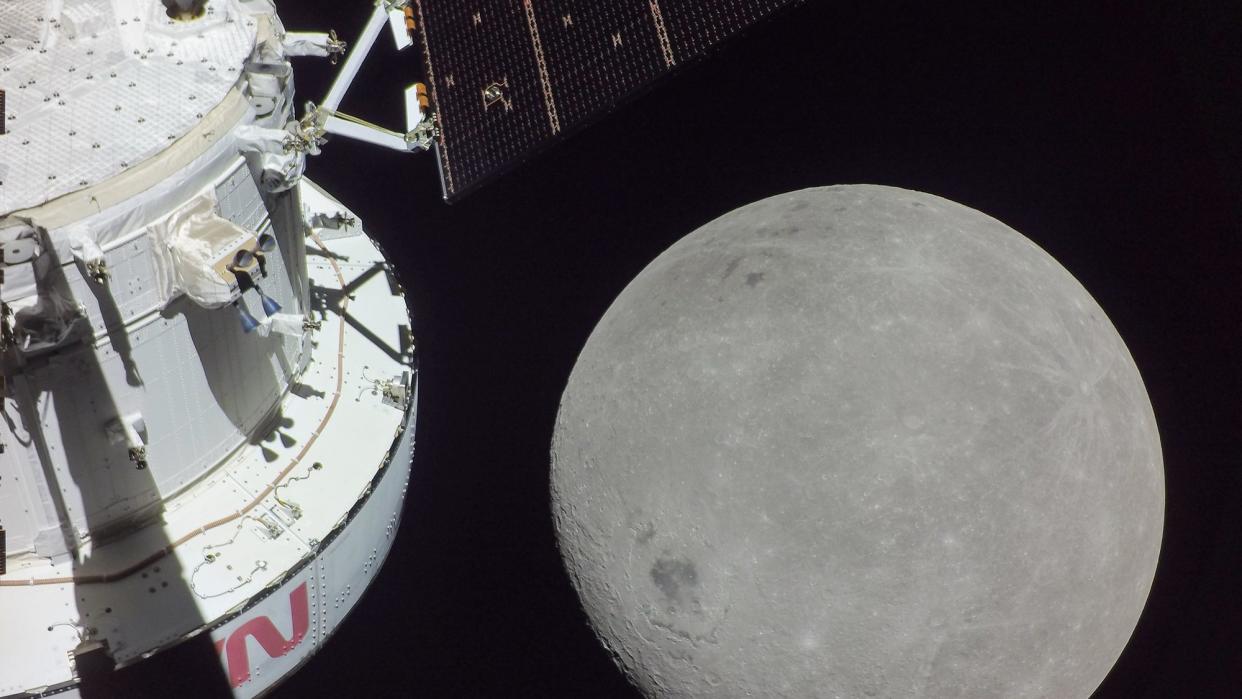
x=356, y=56
x=394, y=13
x=357, y=129
x=311, y=44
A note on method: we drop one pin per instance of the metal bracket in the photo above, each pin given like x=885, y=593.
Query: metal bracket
x=309, y=132
x=91, y=657
x=97, y=270
x=336, y=47
x=270, y=527
x=395, y=391
x=423, y=135
x=129, y=430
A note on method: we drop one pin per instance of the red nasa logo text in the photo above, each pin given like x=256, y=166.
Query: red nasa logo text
x=261, y=629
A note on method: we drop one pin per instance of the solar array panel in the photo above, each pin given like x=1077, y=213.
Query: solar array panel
x=510, y=76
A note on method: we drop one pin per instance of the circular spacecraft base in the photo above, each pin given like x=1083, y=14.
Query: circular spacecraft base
x=105, y=86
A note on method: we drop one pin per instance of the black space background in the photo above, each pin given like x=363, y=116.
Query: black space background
x=1107, y=133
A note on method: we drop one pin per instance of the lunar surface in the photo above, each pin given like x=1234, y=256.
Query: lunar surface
x=858, y=441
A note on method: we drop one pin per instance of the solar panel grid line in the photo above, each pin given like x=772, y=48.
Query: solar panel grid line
x=544, y=82
x=607, y=65
x=508, y=77
x=486, y=45
x=666, y=46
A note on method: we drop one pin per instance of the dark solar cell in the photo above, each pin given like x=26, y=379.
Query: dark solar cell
x=509, y=76
x=598, y=51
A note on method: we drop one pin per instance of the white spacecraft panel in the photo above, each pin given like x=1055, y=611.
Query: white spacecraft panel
x=134, y=265
x=314, y=499
x=291, y=623
x=239, y=200
x=93, y=88
x=194, y=413
x=132, y=295
x=173, y=466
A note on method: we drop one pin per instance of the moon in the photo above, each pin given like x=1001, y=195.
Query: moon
x=858, y=441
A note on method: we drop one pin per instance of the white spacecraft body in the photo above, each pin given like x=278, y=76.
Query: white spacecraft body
x=209, y=385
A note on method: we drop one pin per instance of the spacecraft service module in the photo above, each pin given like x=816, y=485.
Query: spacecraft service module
x=209, y=377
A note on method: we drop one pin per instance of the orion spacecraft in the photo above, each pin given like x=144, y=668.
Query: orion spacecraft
x=209, y=375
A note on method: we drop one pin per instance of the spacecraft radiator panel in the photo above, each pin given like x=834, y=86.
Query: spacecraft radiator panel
x=102, y=86
x=509, y=77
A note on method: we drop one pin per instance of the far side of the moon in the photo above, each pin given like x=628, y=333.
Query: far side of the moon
x=858, y=441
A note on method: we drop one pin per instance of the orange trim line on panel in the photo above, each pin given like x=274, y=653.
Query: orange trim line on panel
x=130, y=570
